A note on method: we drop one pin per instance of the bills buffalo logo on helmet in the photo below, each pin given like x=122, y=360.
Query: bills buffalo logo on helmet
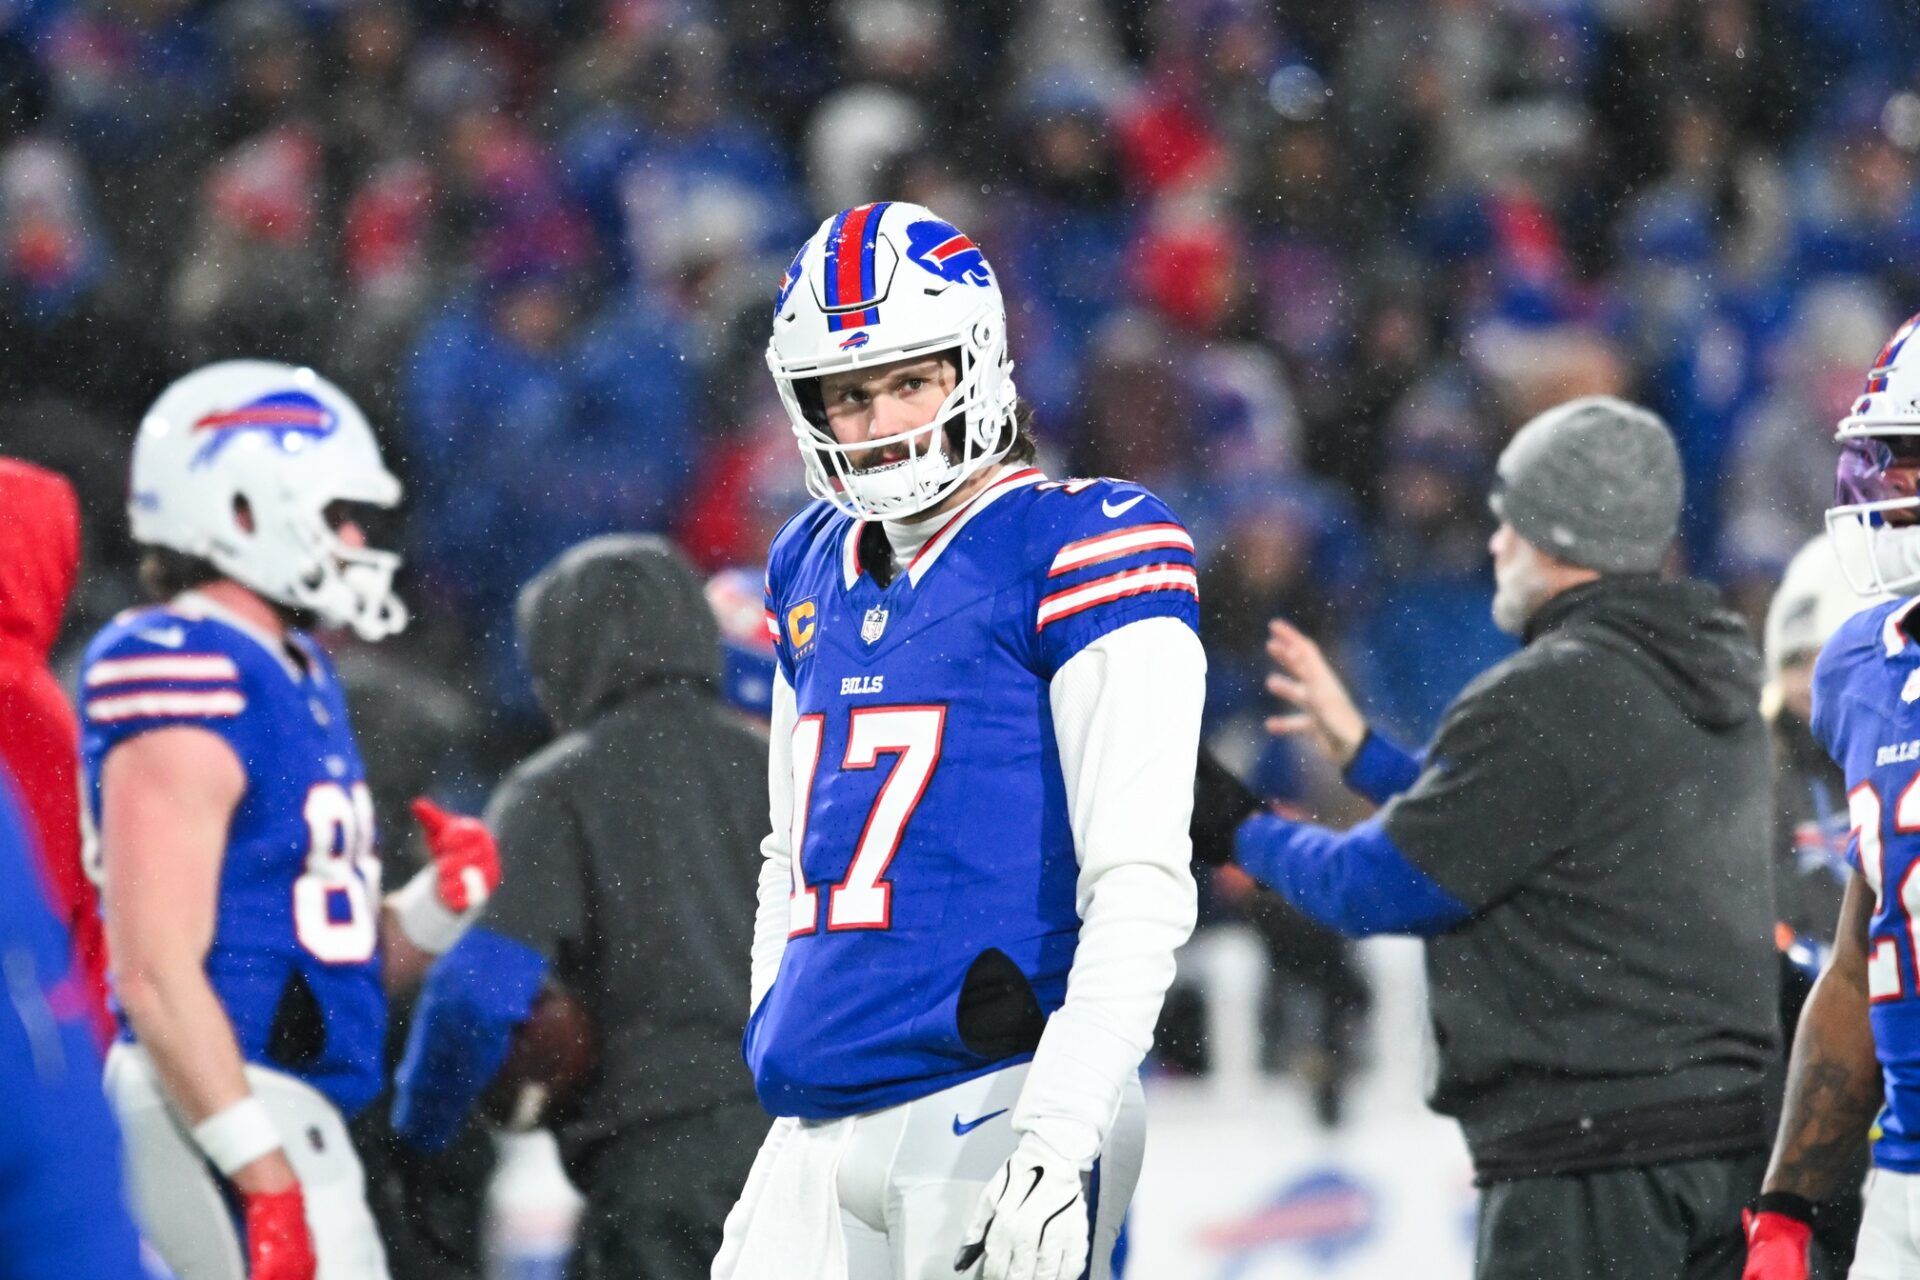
x=857, y=341
x=282, y=417
x=941, y=248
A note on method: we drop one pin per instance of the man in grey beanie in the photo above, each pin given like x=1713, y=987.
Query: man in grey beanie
x=1584, y=845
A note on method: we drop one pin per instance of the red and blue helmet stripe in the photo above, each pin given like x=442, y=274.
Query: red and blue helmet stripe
x=1883, y=363
x=849, y=267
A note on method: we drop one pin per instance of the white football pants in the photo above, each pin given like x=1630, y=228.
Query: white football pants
x=906, y=1181
x=1889, y=1247
x=179, y=1202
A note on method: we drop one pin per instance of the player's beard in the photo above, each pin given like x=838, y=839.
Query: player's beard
x=1520, y=588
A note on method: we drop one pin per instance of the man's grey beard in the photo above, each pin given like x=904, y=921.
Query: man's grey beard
x=1515, y=604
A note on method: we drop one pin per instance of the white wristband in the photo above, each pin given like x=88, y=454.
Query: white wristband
x=236, y=1136
x=429, y=923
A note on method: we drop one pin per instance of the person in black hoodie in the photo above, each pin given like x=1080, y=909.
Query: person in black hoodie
x=633, y=839
x=1585, y=847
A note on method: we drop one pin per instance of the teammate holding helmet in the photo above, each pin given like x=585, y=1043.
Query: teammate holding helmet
x=229, y=821
x=985, y=717
x=1857, y=1053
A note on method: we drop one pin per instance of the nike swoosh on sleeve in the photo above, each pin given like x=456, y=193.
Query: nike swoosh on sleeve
x=1114, y=510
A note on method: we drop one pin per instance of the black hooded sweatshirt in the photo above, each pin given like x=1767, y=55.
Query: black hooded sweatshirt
x=630, y=844
x=1601, y=802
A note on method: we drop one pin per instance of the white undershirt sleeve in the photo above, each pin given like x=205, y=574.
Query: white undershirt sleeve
x=771, y=914
x=1126, y=714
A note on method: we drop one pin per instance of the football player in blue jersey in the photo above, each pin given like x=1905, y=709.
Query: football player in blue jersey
x=985, y=717
x=1856, y=1056
x=229, y=822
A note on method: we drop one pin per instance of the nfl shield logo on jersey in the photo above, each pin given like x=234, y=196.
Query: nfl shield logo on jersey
x=873, y=625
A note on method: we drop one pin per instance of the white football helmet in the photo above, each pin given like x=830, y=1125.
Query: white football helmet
x=879, y=283
x=1875, y=519
x=286, y=443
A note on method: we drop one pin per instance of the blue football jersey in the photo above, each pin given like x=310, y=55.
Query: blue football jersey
x=295, y=957
x=1866, y=713
x=62, y=1205
x=930, y=821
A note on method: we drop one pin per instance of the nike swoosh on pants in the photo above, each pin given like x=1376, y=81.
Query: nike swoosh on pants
x=961, y=1130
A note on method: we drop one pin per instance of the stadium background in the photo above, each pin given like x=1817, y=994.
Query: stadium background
x=1301, y=268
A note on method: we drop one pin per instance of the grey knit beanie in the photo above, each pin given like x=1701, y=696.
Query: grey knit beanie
x=1594, y=482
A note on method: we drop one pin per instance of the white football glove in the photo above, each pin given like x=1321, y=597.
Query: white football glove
x=1031, y=1222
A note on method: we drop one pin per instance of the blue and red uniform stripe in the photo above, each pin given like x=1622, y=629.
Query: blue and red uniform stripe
x=849, y=266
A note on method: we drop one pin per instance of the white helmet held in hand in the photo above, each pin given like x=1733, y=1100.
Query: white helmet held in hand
x=876, y=284
x=237, y=464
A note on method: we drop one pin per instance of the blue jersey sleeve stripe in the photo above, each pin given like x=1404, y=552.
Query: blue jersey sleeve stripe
x=1121, y=542
x=162, y=666
x=1117, y=586
x=205, y=703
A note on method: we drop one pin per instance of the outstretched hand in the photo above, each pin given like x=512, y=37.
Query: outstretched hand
x=1324, y=710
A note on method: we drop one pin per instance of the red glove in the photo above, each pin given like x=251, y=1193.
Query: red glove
x=464, y=855
x=1776, y=1246
x=278, y=1244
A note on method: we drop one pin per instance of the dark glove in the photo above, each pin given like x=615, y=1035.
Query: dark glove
x=1221, y=802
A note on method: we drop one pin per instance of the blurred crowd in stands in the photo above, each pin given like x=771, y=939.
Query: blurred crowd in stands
x=1300, y=267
